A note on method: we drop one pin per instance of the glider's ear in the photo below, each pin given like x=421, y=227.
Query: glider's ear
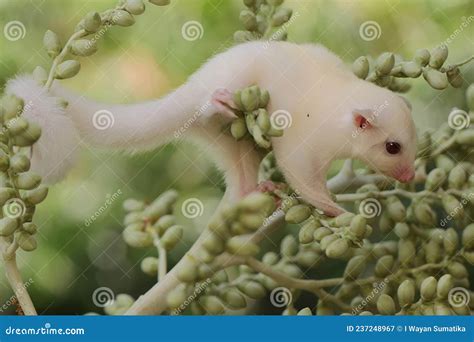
x=363, y=119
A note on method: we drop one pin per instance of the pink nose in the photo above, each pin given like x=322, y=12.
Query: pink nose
x=406, y=175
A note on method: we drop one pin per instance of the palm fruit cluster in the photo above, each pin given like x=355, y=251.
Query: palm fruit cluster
x=388, y=69
x=228, y=234
x=20, y=189
x=83, y=42
x=119, y=305
x=253, y=118
x=150, y=224
x=263, y=19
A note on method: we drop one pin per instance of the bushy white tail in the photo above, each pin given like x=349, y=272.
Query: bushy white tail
x=132, y=127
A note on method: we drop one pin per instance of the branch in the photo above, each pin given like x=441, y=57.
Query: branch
x=15, y=280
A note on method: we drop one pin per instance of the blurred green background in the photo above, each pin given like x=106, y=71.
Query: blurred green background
x=146, y=61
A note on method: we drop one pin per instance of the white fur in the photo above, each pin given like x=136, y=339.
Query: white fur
x=55, y=152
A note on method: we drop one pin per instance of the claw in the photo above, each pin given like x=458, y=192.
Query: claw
x=222, y=99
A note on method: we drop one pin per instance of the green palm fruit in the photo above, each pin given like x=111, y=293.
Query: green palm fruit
x=176, y=296
x=136, y=238
x=51, y=43
x=451, y=241
x=211, y=305
x=135, y=7
x=457, y=177
x=435, y=78
x=298, y=213
x=337, y=249
x=238, y=128
x=361, y=67
x=250, y=98
x=92, y=22
x=465, y=137
x=19, y=163
x=406, y=293
x=289, y=246
x=84, y=47
x=384, y=63
x=40, y=75
x=35, y=196
x=30, y=228
x=355, y=267
x=470, y=97
x=123, y=18
x=252, y=289
x=306, y=233
x=241, y=245
x=27, y=180
x=249, y=20
x=455, y=77
x=428, y=289
x=149, y=265
x=281, y=16
x=452, y=206
x=438, y=56
x=406, y=252
x=445, y=284
x=384, y=266
x=435, y=179
x=67, y=69
x=234, y=299
x=213, y=243
x=171, y=237
x=468, y=237
x=8, y=226
x=187, y=270
x=386, y=305
x=396, y=209
x=422, y=57
x=411, y=69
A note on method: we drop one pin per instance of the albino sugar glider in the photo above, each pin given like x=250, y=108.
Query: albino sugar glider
x=334, y=115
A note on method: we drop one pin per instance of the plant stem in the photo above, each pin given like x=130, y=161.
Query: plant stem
x=162, y=256
x=59, y=58
x=16, y=283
